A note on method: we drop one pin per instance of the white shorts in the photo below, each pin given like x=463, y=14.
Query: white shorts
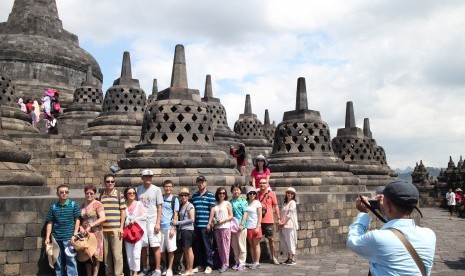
x=153, y=239
x=166, y=242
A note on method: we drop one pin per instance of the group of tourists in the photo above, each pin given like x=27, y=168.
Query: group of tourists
x=455, y=202
x=49, y=105
x=205, y=225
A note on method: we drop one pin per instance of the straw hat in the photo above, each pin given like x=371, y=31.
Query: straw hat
x=458, y=190
x=86, y=247
x=52, y=251
x=184, y=191
x=292, y=190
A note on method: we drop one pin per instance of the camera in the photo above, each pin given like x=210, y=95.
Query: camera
x=374, y=203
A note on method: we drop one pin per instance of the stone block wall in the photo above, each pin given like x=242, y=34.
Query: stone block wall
x=77, y=161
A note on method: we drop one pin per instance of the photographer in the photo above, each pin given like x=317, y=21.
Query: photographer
x=384, y=248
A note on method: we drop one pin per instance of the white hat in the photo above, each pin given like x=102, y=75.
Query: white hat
x=146, y=172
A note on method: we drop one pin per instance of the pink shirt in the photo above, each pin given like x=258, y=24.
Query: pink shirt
x=260, y=175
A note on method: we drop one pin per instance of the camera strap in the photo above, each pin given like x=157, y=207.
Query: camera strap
x=410, y=250
x=373, y=210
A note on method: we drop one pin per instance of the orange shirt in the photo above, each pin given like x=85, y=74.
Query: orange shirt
x=268, y=201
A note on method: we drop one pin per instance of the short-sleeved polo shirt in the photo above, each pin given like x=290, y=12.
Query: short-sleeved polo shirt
x=239, y=206
x=63, y=218
x=112, y=206
x=202, y=205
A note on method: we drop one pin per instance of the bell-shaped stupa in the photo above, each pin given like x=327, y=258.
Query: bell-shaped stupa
x=223, y=135
x=250, y=131
x=123, y=107
x=86, y=106
x=14, y=167
x=39, y=54
x=177, y=139
x=14, y=119
x=268, y=128
x=302, y=153
x=356, y=147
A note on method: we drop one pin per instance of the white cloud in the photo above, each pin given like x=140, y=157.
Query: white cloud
x=400, y=62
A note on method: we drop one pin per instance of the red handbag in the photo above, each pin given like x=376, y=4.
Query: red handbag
x=133, y=233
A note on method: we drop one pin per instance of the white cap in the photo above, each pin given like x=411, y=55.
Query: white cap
x=146, y=172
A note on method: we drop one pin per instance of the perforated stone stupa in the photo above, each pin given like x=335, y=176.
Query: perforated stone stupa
x=37, y=53
x=302, y=153
x=223, y=135
x=123, y=107
x=86, y=106
x=14, y=167
x=14, y=119
x=177, y=138
x=250, y=131
x=356, y=148
x=268, y=128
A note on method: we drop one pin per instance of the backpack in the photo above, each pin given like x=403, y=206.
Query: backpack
x=56, y=106
x=54, y=206
x=173, y=201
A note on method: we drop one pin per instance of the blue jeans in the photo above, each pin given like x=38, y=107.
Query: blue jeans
x=203, y=252
x=71, y=265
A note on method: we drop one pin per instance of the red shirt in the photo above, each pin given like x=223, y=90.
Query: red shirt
x=240, y=159
x=268, y=201
x=260, y=175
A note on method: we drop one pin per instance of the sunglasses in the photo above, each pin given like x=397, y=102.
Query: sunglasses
x=222, y=193
x=64, y=192
x=263, y=182
x=108, y=181
x=131, y=193
x=184, y=195
x=252, y=193
x=90, y=193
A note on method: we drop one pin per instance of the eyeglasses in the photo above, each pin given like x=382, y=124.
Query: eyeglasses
x=131, y=193
x=184, y=195
x=263, y=182
x=171, y=187
x=109, y=181
x=90, y=193
x=64, y=192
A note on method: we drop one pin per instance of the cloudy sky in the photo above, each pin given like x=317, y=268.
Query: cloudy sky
x=402, y=63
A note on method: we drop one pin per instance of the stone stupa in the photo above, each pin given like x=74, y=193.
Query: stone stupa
x=86, y=106
x=223, y=135
x=177, y=139
x=14, y=119
x=250, y=131
x=153, y=96
x=14, y=167
x=268, y=128
x=357, y=149
x=39, y=54
x=123, y=107
x=302, y=153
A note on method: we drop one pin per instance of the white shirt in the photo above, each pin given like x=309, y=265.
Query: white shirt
x=450, y=198
x=252, y=214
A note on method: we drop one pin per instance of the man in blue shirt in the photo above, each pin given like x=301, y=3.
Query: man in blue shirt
x=62, y=224
x=203, y=202
x=169, y=216
x=385, y=251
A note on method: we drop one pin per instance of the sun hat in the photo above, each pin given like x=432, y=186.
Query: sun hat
x=133, y=233
x=146, y=172
x=259, y=157
x=86, y=247
x=184, y=191
x=250, y=189
x=52, y=251
x=458, y=190
x=402, y=193
x=292, y=190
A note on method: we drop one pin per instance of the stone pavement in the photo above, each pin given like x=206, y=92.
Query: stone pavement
x=449, y=258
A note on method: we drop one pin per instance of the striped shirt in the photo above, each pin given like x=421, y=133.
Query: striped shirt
x=202, y=205
x=63, y=219
x=113, y=207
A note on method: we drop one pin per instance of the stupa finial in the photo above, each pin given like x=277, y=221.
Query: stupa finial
x=126, y=72
x=350, y=117
x=179, y=74
x=154, y=88
x=301, y=99
x=267, y=117
x=248, y=105
x=366, y=128
x=208, y=87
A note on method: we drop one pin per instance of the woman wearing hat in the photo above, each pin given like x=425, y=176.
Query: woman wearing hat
x=253, y=223
x=185, y=232
x=92, y=216
x=288, y=225
x=260, y=171
x=135, y=213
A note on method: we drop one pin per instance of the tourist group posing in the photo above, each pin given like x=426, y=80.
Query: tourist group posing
x=204, y=225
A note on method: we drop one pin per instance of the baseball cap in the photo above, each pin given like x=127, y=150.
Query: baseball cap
x=146, y=172
x=200, y=178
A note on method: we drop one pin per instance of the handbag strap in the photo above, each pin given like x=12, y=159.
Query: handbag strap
x=410, y=249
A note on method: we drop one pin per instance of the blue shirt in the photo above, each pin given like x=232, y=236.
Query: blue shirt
x=167, y=211
x=202, y=205
x=239, y=207
x=386, y=253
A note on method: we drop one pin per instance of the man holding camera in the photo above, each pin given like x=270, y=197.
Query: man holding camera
x=384, y=248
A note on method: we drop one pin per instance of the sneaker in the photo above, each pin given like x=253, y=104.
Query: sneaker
x=223, y=270
x=197, y=269
x=208, y=270
x=169, y=272
x=144, y=272
x=255, y=266
x=240, y=267
x=235, y=267
x=156, y=272
x=285, y=262
x=275, y=261
x=291, y=262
